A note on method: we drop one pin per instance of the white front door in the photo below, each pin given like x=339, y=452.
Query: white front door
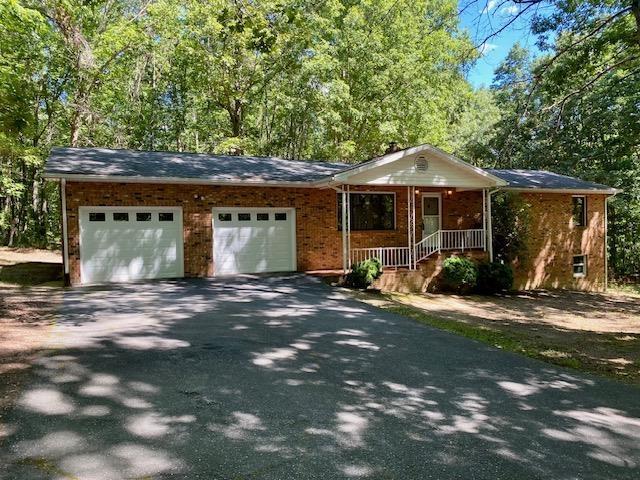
x=253, y=240
x=118, y=244
x=431, y=213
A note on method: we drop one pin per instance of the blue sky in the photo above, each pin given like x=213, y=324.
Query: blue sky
x=482, y=18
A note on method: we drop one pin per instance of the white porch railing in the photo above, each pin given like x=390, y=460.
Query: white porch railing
x=437, y=241
x=462, y=239
x=388, y=256
x=428, y=246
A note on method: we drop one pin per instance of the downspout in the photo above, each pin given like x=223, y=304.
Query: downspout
x=65, y=246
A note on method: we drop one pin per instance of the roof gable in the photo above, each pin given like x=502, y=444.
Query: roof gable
x=401, y=168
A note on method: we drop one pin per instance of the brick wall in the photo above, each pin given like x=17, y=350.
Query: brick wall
x=552, y=243
x=319, y=241
x=554, y=240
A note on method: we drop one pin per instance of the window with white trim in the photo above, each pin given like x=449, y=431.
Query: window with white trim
x=579, y=265
x=369, y=211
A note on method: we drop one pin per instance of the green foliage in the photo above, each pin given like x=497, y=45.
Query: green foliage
x=364, y=273
x=511, y=226
x=574, y=110
x=459, y=274
x=494, y=277
x=334, y=80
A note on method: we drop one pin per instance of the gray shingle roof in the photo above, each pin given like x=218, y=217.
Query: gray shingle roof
x=103, y=162
x=541, y=179
x=178, y=165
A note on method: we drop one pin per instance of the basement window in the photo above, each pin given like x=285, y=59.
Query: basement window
x=120, y=217
x=580, y=211
x=579, y=265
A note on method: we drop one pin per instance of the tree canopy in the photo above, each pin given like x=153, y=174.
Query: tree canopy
x=333, y=79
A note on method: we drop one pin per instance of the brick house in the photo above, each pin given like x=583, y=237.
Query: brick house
x=131, y=215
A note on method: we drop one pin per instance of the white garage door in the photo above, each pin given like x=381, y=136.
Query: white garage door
x=118, y=244
x=252, y=240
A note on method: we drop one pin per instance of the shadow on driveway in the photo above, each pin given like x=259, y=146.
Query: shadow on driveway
x=283, y=377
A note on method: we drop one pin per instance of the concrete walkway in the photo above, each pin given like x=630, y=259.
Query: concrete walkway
x=285, y=378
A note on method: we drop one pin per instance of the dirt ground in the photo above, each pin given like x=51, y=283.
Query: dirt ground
x=29, y=294
x=595, y=332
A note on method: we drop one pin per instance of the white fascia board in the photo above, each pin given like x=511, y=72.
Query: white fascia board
x=395, y=156
x=181, y=181
x=610, y=191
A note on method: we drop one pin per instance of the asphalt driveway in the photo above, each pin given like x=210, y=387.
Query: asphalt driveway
x=283, y=377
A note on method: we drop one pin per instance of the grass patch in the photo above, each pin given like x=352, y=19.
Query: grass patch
x=503, y=340
x=626, y=288
x=584, y=351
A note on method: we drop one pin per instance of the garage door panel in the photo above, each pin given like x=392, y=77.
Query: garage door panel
x=112, y=251
x=255, y=245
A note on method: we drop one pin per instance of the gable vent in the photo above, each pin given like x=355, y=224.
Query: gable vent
x=421, y=164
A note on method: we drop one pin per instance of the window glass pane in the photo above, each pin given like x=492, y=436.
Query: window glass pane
x=96, y=217
x=165, y=217
x=143, y=216
x=224, y=217
x=579, y=211
x=579, y=264
x=280, y=216
x=244, y=217
x=430, y=206
x=369, y=211
x=262, y=217
x=120, y=217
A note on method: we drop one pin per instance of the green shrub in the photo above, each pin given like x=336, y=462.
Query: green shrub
x=364, y=273
x=459, y=274
x=494, y=277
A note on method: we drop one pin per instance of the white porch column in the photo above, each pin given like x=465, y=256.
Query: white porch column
x=410, y=240
x=489, y=227
x=484, y=218
x=345, y=246
x=348, y=211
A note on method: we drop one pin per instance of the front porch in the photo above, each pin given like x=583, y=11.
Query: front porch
x=412, y=204
x=426, y=222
